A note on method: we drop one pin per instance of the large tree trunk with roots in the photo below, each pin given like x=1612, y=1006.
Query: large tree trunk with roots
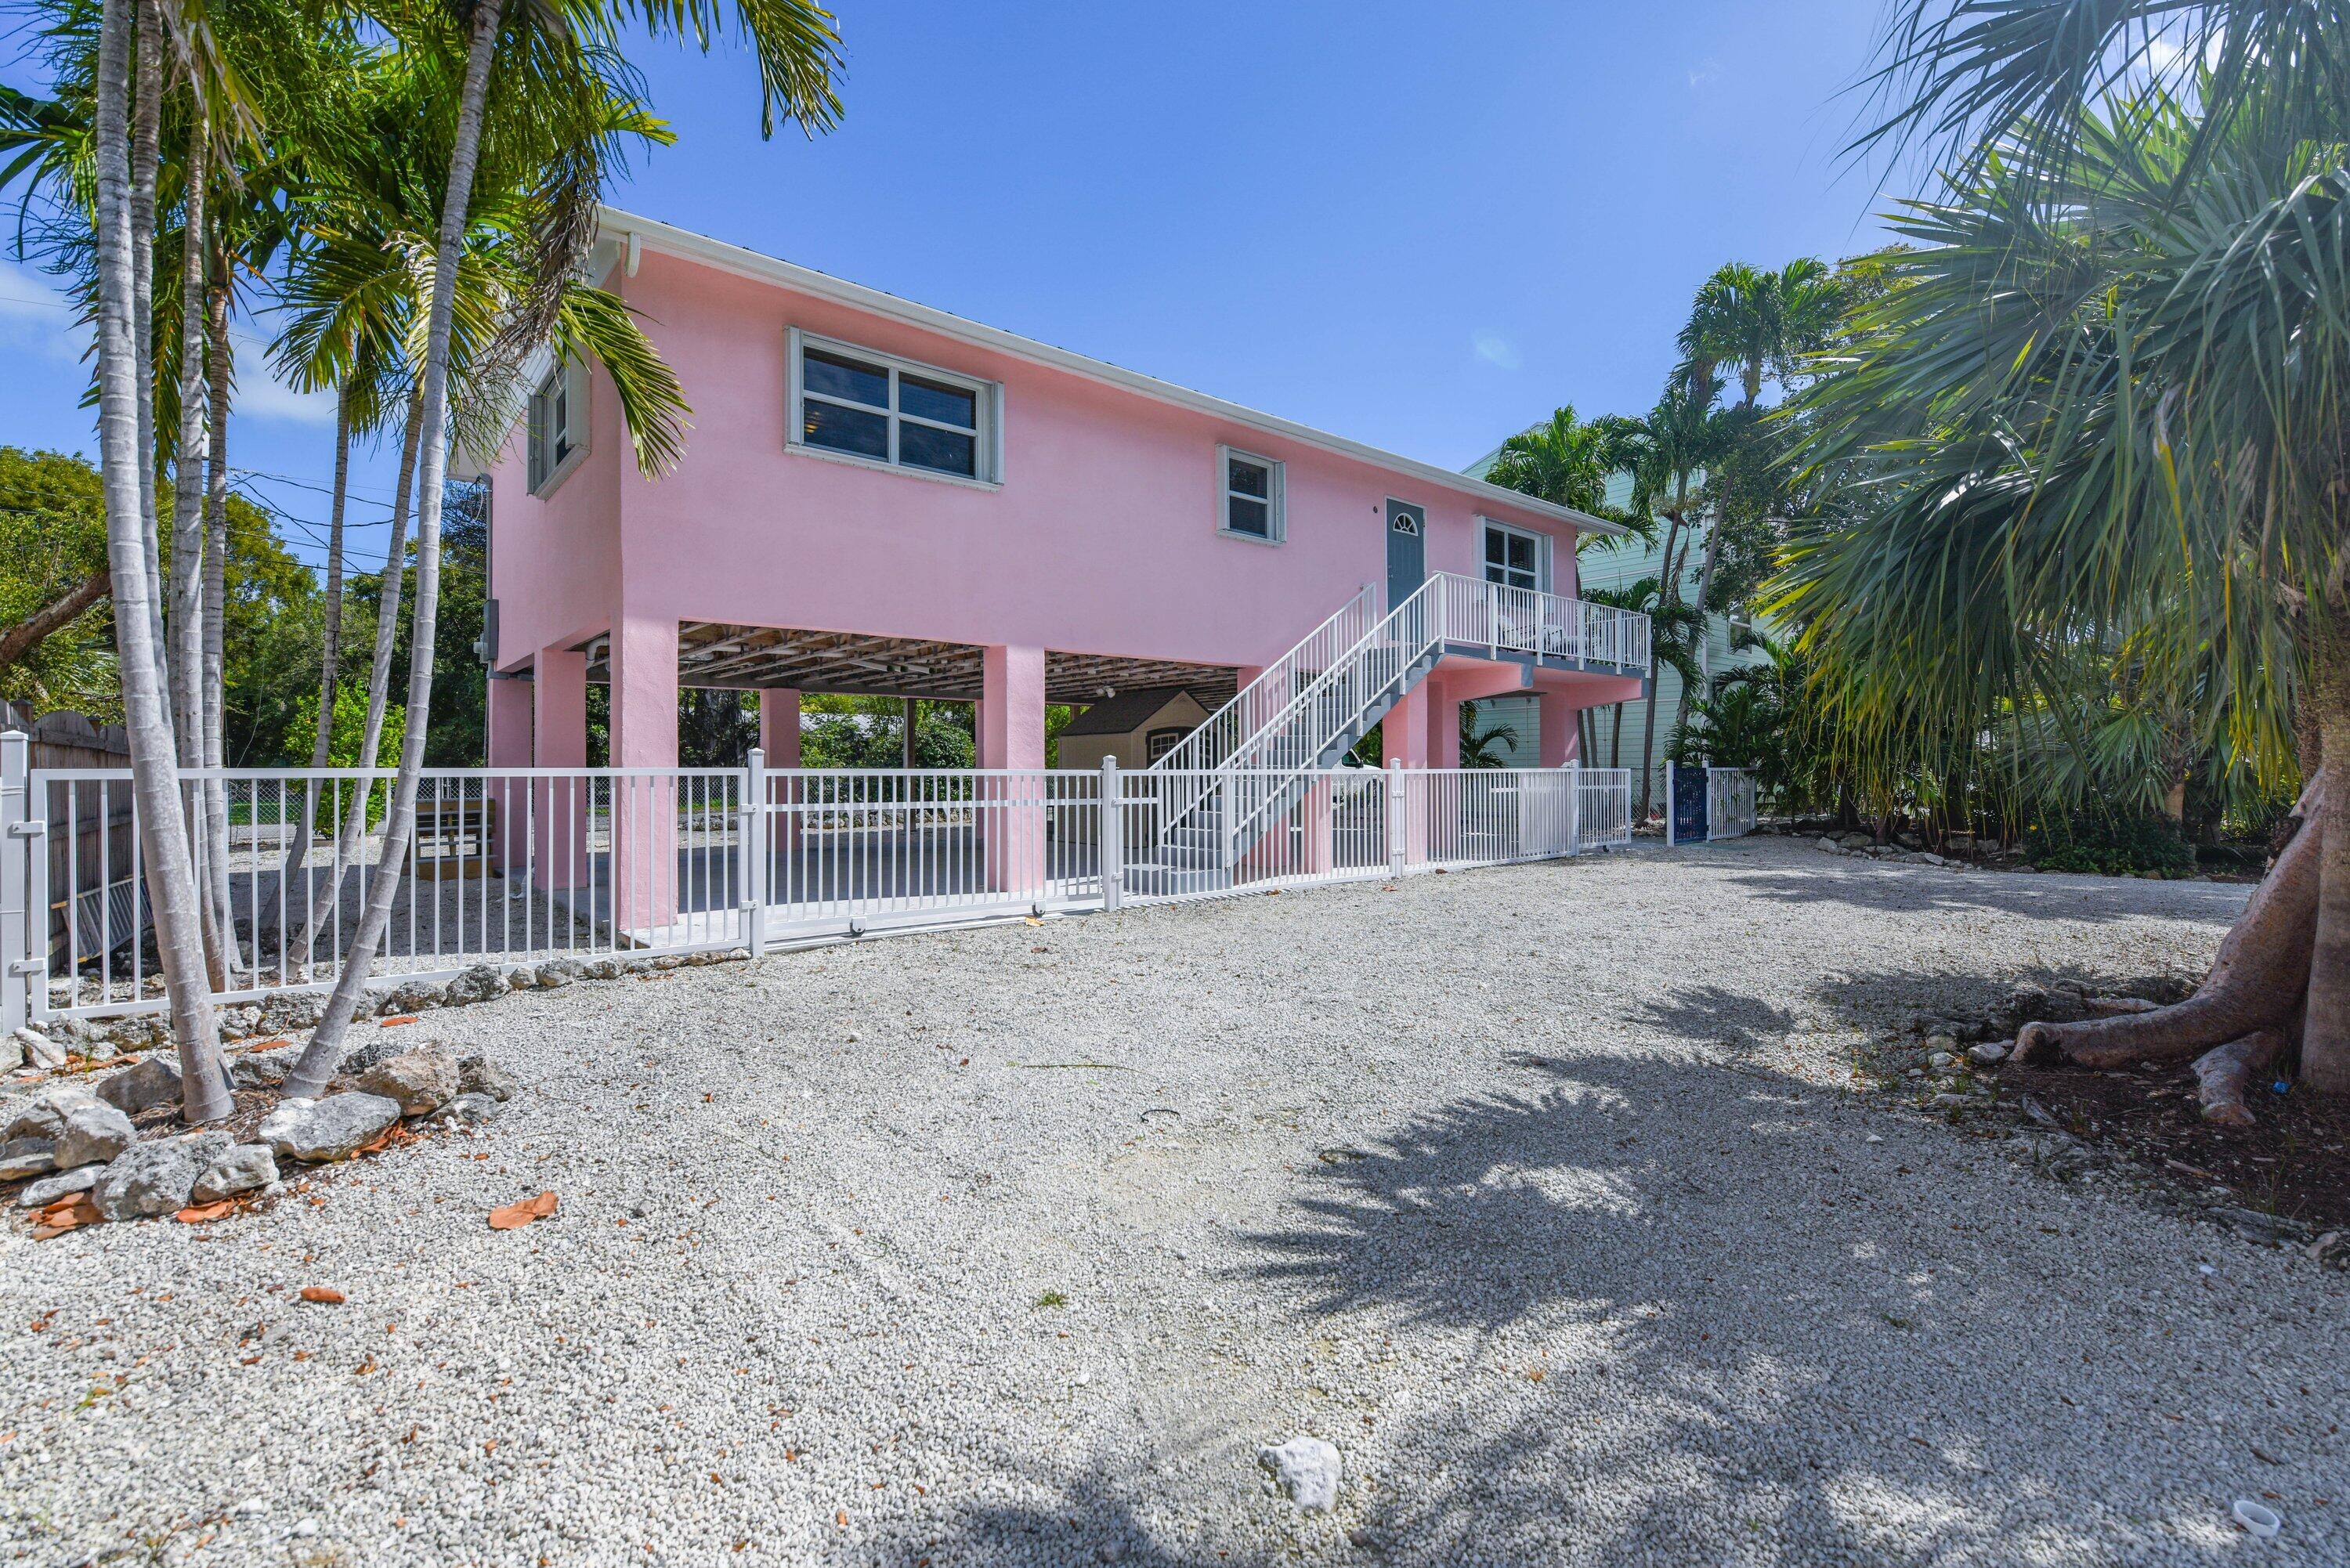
x=172, y=889
x=2275, y=997
x=316, y=1066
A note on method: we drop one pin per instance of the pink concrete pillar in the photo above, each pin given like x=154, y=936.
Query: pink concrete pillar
x=509, y=722
x=1556, y=717
x=779, y=738
x=557, y=807
x=779, y=726
x=1443, y=728
x=1317, y=848
x=1012, y=737
x=644, y=807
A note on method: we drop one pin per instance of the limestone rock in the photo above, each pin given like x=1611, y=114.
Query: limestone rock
x=422, y=1080
x=480, y=1076
x=1988, y=1052
x=333, y=1128
x=467, y=1111
x=289, y=1011
x=139, y=1032
x=415, y=996
x=154, y=1082
x=49, y=1188
x=23, y=1156
x=478, y=983
x=74, y=1125
x=1307, y=1469
x=261, y=1069
x=157, y=1178
x=557, y=972
x=242, y=1168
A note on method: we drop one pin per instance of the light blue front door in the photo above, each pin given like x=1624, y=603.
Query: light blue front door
x=1406, y=550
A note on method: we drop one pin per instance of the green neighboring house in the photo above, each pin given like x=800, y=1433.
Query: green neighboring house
x=1626, y=563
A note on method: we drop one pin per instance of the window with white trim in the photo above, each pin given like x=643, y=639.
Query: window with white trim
x=558, y=425
x=1254, y=504
x=1513, y=557
x=876, y=407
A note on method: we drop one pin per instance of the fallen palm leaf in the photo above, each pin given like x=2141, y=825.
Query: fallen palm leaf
x=395, y=1022
x=198, y=1213
x=515, y=1216
x=323, y=1295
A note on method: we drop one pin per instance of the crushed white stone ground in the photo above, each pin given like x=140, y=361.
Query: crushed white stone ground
x=1543, y=1193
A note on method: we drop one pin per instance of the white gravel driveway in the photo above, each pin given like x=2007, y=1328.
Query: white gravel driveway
x=1543, y=1193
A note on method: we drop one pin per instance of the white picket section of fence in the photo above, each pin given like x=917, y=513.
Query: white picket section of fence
x=520, y=866
x=1730, y=802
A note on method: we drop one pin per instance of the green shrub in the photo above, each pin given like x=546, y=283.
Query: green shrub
x=2113, y=846
x=343, y=749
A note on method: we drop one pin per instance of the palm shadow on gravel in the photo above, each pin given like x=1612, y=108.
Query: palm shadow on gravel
x=1754, y=1323
x=1914, y=890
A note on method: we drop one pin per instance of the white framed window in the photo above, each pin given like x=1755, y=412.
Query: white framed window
x=1252, y=500
x=1516, y=558
x=558, y=425
x=867, y=406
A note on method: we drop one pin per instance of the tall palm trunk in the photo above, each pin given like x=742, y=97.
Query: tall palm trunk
x=188, y=463
x=348, y=837
x=155, y=784
x=146, y=155
x=213, y=699
x=1667, y=594
x=330, y=656
x=311, y=1073
x=330, y=653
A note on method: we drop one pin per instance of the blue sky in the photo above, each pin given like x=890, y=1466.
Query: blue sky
x=1421, y=226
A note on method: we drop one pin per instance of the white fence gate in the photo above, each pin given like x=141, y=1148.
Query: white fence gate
x=519, y=865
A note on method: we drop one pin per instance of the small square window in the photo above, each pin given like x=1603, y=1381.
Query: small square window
x=558, y=425
x=1252, y=502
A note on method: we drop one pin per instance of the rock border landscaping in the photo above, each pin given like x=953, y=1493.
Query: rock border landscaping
x=73, y=1143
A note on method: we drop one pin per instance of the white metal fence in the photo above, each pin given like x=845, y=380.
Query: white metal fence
x=519, y=866
x=1730, y=802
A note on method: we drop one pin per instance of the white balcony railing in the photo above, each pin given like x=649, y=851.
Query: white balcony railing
x=1521, y=620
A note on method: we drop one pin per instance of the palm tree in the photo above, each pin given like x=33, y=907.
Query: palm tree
x=552, y=57
x=155, y=784
x=1484, y=748
x=1563, y=461
x=1639, y=598
x=2103, y=399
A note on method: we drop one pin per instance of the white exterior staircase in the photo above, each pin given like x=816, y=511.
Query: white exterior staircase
x=1235, y=777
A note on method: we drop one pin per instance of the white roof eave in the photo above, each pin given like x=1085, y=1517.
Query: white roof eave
x=652, y=234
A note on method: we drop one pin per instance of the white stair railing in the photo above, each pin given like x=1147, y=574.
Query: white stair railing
x=1286, y=725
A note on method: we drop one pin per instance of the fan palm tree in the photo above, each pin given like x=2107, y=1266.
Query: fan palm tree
x=2105, y=398
x=545, y=55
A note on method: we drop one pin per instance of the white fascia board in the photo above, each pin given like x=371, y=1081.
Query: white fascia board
x=750, y=263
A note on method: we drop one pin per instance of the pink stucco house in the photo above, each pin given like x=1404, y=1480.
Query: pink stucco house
x=878, y=497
